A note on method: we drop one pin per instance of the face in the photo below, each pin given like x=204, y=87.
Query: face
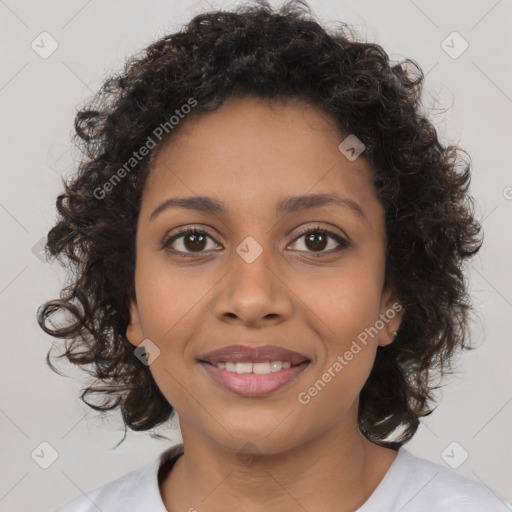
x=308, y=277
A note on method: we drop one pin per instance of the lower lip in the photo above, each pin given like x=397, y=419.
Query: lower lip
x=251, y=384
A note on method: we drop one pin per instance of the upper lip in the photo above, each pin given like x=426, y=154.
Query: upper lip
x=252, y=354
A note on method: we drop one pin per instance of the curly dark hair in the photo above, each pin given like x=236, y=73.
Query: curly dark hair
x=269, y=53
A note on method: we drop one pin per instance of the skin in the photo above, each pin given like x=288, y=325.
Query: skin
x=249, y=154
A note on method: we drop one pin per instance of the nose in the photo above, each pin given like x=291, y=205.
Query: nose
x=253, y=294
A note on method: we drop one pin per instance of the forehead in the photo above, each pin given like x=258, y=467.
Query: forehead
x=252, y=149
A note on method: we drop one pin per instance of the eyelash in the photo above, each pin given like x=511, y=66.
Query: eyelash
x=343, y=244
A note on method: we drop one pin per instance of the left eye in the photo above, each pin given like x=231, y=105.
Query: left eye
x=317, y=240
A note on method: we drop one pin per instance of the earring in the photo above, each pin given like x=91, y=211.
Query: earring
x=394, y=334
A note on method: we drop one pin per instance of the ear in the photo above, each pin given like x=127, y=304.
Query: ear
x=134, y=330
x=391, y=314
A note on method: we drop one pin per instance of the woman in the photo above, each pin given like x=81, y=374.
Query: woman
x=267, y=234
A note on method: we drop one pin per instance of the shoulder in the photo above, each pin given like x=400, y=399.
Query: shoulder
x=432, y=486
x=136, y=491
x=107, y=497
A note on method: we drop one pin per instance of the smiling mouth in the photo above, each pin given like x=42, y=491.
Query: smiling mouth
x=257, y=368
x=242, y=378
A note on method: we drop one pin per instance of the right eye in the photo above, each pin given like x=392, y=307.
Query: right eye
x=188, y=242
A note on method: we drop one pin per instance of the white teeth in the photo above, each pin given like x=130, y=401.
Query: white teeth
x=261, y=368
x=243, y=367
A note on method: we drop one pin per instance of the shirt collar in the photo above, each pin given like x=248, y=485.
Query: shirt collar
x=144, y=491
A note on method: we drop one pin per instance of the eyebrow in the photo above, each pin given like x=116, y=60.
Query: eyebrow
x=290, y=204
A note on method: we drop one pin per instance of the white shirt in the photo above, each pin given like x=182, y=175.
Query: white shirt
x=411, y=484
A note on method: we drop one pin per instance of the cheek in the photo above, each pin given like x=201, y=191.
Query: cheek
x=347, y=300
x=344, y=306
x=167, y=296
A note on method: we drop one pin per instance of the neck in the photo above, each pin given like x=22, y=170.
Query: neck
x=337, y=471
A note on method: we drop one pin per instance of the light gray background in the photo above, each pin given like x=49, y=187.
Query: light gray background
x=38, y=101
